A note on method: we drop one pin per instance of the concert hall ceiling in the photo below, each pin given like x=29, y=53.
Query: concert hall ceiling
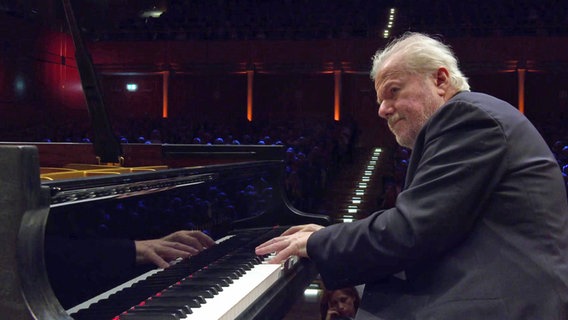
x=297, y=19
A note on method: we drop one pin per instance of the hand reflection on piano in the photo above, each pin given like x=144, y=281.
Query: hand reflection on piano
x=291, y=242
x=79, y=267
x=180, y=244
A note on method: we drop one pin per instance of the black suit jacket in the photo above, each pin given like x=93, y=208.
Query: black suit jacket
x=479, y=232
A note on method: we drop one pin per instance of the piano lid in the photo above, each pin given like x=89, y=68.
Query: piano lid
x=106, y=145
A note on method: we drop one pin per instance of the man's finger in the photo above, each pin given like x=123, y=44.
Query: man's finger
x=203, y=238
x=156, y=259
x=267, y=243
x=196, y=239
x=273, y=245
x=177, y=249
x=188, y=240
x=291, y=230
x=281, y=256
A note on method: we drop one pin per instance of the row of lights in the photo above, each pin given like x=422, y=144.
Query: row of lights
x=315, y=289
x=157, y=12
x=361, y=186
x=390, y=24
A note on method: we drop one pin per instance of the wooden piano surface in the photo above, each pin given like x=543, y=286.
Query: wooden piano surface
x=60, y=154
x=40, y=205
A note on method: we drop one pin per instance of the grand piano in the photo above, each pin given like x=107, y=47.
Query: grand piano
x=240, y=204
x=66, y=217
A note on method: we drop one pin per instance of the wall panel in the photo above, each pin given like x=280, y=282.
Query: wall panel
x=283, y=96
x=217, y=97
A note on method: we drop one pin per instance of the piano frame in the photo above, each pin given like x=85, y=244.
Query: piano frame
x=24, y=208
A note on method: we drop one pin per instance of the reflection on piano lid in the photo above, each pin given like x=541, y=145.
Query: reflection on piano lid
x=224, y=282
x=240, y=199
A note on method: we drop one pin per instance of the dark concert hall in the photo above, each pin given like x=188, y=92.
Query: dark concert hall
x=283, y=159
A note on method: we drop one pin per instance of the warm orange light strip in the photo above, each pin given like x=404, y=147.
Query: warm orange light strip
x=337, y=95
x=521, y=81
x=250, y=78
x=165, y=90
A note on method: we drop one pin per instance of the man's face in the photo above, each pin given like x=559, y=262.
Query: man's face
x=406, y=101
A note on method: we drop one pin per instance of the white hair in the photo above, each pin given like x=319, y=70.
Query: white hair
x=421, y=54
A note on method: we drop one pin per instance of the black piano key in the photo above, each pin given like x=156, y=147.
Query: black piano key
x=212, y=259
x=241, y=265
x=181, y=291
x=187, y=293
x=248, y=256
x=178, y=302
x=241, y=254
x=240, y=271
x=221, y=281
x=149, y=316
x=202, y=282
x=180, y=312
x=217, y=273
x=199, y=287
x=220, y=276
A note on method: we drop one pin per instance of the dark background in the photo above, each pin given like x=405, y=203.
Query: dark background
x=204, y=50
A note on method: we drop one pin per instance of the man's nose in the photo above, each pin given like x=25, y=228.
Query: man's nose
x=385, y=110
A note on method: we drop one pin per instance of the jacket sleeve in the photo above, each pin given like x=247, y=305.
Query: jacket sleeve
x=456, y=162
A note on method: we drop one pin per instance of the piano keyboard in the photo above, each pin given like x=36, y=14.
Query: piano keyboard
x=234, y=299
x=216, y=284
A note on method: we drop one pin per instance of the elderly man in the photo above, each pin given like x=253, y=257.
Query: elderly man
x=480, y=230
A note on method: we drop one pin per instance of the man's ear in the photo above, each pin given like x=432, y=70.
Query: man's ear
x=442, y=78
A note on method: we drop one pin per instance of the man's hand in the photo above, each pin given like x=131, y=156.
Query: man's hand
x=292, y=242
x=180, y=244
x=194, y=239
